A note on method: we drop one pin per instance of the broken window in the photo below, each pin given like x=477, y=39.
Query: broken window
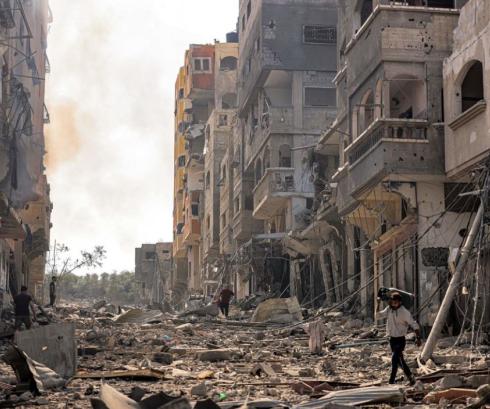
x=195, y=209
x=285, y=156
x=249, y=202
x=150, y=255
x=222, y=120
x=180, y=228
x=181, y=161
x=320, y=97
x=228, y=64
x=181, y=93
x=472, y=86
x=320, y=35
x=237, y=205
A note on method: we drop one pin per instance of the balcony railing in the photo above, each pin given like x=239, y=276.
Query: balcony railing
x=271, y=193
x=386, y=129
x=274, y=180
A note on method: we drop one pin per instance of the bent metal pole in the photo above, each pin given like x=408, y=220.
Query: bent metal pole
x=453, y=286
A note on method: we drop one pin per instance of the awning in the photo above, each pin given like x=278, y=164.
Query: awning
x=10, y=223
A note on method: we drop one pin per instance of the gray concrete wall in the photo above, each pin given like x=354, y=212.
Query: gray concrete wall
x=467, y=140
x=53, y=345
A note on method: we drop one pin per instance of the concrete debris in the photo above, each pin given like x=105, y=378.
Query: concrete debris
x=278, y=310
x=454, y=395
x=215, y=355
x=232, y=364
x=52, y=345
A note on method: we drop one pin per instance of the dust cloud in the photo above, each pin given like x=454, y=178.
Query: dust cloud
x=62, y=135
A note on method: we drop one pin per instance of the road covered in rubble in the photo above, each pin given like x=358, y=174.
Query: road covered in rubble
x=143, y=358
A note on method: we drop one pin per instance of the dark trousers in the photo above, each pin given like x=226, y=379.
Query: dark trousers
x=224, y=307
x=22, y=319
x=397, y=345
x=52, y=299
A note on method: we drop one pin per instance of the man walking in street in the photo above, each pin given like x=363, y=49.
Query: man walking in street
x=52, y=291
x=224, y=300
x=23, y=306
x=398, y=320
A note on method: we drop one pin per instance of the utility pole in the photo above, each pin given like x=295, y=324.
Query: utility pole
x=456, y=278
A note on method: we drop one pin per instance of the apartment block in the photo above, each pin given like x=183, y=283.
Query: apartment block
x=391, y=187
x=286, y=98
x=153, y=266
x=25, y=207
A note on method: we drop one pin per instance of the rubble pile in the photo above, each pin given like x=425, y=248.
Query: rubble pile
x=141, y=356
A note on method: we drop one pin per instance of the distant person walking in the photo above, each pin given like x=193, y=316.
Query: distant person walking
x=23, y=307
x=225, y=297
x=52, y=291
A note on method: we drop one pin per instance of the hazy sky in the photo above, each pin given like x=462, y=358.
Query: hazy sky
x=110, y=97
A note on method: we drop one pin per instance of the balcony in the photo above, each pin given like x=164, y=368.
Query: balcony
x=245, y=226
x=389, y=147
x=192, y=232
x=273, y=192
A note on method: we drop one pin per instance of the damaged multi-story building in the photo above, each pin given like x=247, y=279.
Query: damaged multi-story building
x=466, y=78
x=286, y=98
x=25, y=207
x=194, y=101
x=391, y=188
x=218, y=135
x=153, y=267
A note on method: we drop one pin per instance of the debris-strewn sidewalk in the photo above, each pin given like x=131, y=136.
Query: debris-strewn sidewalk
x=142, y=358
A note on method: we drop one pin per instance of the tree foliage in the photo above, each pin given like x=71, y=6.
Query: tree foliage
x=117, y=288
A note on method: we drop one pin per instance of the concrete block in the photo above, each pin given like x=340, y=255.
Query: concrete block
x=53, y=345
x=215, y=355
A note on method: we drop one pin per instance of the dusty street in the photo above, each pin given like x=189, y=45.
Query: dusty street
x=143, y=352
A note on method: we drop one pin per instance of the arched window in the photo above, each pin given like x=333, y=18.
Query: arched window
x=258, y=170
x=228, y=64
x=472, y=86
x=285, y=156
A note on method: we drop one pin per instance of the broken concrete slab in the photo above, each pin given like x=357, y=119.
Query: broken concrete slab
x=450, y=381
x=359, y=396
x=139, y=316
x=52, y=345
x=162, y=358
x=455, y=395
x=215, y=355
x=199, y=390
x=29, y=372
x=278, y=310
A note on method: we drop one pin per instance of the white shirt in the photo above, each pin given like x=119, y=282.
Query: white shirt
x=397, y=321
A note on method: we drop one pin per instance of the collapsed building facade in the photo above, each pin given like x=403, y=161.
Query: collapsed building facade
x=153, y=267
x=25, y=206
x=345, y=164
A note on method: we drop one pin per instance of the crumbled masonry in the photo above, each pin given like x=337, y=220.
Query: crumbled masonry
x=159, y=357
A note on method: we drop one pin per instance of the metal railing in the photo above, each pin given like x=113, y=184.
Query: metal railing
x=388, y=129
